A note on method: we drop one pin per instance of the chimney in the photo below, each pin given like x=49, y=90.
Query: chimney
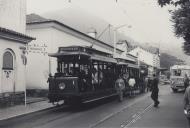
x=92, y=33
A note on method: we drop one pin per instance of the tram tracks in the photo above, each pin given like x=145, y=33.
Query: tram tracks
x=136, y=117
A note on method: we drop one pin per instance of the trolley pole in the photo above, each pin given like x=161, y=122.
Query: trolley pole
x=115, y=38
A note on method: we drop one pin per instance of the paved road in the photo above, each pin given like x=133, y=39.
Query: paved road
x=133, y=112
x=168, y=115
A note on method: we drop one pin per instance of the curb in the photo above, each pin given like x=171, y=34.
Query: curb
x=35, y=101
x=32, y=112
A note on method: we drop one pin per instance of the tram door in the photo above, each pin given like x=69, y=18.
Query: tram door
x=8, y=72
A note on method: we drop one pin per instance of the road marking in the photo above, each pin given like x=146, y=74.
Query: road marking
x=137, y=117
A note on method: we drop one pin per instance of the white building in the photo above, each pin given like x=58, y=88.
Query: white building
x=51, y=34
x=12, y=44
x=13, y=15
x=149, y=56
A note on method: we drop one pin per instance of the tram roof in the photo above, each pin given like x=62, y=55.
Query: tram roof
x=67, y=54
x=84, y=51
x=127, y=62
x=125, y=58
x=133, y=66
x=185, y=67
x=128, y=65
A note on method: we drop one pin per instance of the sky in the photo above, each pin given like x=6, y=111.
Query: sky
x=149, y=23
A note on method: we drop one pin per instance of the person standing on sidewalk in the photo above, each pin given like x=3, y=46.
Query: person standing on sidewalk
x=186, y=81
x=187, y=104
x=155, y=90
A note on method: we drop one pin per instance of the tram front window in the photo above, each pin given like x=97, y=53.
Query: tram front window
x=72, y=69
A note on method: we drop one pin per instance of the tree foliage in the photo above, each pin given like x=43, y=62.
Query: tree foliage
x=181, y=19
x=172, y=2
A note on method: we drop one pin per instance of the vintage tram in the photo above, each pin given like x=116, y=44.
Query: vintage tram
x=85, y=74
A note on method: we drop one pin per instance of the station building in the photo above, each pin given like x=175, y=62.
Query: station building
x=13, y=43
x=51, y=34
x=148, y=57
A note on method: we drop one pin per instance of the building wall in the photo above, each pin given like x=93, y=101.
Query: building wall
x=13, y=15
x=156, y=61
x=153, y=60
x=48, y=39
x=143, y=55
x=19, y=67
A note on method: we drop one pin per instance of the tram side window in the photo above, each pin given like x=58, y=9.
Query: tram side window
x=75, y=69
x=95, y=74
x=71, y=69
x=177, y=72
x=98, y=75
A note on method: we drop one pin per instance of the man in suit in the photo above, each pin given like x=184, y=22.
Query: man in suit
x=155, y=90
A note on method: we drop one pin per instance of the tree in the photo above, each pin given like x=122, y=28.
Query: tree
x=172, y=2
x=181, y=19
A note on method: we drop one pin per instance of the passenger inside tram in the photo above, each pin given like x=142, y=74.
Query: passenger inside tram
x=95, y=78
x=85, y=79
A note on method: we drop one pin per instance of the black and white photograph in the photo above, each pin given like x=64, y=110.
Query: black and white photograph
x=94, y=63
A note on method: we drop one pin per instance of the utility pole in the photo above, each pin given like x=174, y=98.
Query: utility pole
x=115, y=37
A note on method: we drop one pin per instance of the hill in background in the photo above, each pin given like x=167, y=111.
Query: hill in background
x=167, y=60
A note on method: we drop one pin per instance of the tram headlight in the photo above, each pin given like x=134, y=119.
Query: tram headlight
x=62, y=86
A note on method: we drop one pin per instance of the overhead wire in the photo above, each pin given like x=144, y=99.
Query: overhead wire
x=132, y=20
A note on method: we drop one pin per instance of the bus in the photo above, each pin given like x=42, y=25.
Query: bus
x=177, y=73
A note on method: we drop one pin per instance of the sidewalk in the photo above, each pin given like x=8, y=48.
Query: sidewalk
x=33, y=105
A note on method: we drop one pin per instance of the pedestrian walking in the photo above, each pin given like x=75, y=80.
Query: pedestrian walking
x=126, y=81
x=146, y=84
x=132, y=83
x=149, y=83
x=120, y=86
x=155, y=90
x=186, y=81
x=187, y=104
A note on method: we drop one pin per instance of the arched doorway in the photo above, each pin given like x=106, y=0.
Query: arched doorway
x=8, y=71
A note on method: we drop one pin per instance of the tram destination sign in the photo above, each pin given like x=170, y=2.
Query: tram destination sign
x=68, y=49
x=72, y=49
